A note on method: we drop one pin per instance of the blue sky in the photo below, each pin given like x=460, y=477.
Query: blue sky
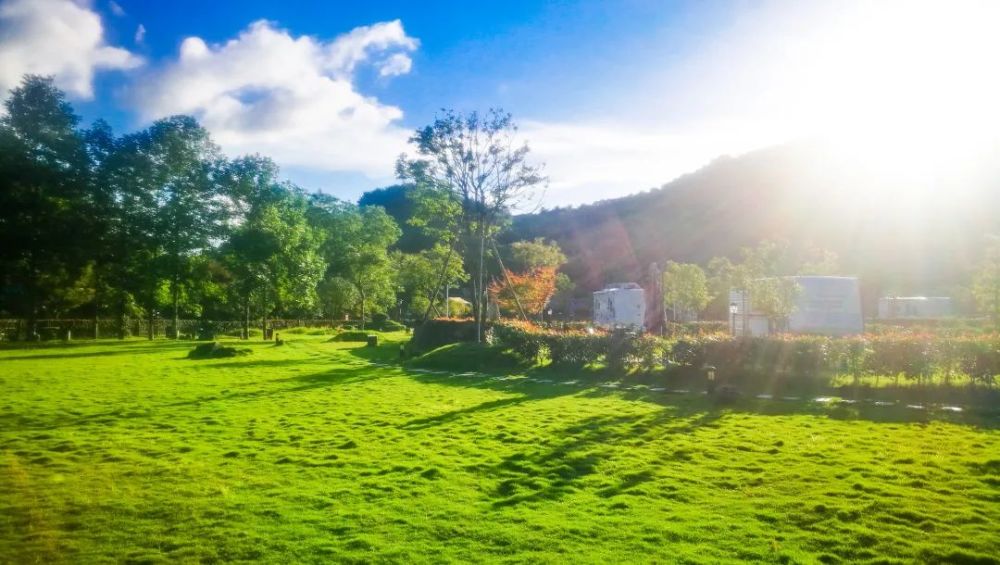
x=614, y=97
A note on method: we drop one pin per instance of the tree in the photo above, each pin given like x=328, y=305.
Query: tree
x=418, y=276
x=986, y=281
x=530, y=291
x=356, y=247
x=183, y=167
x=400, y=202
x=46, y=214
x=775, y=298
x=473, y=160
x=523, y=256
x=274, y=251
x=338, y=296
x=685, y=289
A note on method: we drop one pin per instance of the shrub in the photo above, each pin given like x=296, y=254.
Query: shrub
x=351, y=336
x=522, y=340
x=435, y=333
x=389, y=326
x=215, y=351
x=467, y=357
x=576, y=349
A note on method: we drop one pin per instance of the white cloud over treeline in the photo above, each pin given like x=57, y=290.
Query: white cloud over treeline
x=56, y=37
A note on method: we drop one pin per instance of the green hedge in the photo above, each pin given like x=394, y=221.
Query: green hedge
x=921, y=358
x=351, y=336
x=435, y=333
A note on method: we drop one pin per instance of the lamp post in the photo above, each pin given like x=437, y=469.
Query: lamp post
x=732, y=312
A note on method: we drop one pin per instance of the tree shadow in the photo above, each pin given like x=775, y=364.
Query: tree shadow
x=286, y=386
x=549, y=472
x=146, y=348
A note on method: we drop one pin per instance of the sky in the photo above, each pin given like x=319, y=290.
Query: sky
x=613, y=97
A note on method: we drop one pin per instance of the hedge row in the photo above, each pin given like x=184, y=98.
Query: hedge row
x=619, y=350
x=918, y=357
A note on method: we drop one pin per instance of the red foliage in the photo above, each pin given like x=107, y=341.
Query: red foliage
x=534, y=289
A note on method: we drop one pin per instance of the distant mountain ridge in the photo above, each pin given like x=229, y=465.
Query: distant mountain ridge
x=895, y=240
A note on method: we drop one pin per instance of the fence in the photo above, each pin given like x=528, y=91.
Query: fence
x=14, y=329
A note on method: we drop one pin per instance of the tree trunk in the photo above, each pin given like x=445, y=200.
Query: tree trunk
x=122, y=329
x=151, y=330
x=361, y=289
x=246, y=318
x=97, y=311
x=175, y=289
x=263, y=314
x=510, y=285
x=441, y=280
x=480, y=315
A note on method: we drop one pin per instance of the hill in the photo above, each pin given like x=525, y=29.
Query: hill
x=900, y=232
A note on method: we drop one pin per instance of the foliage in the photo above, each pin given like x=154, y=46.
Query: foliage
x=214, y=350
x=532, y=290
x=525, y=256
x=986, y=281
x=435, y=333
x=467, y=356
x=350, y=335
x=48, y=213
x=356, y=244
x=472, y=161
x=685, y=288
x=420, y=274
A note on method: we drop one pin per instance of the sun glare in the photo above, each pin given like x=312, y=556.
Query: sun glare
x=905, y=88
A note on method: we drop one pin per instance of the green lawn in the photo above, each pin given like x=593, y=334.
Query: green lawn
x=129, y=452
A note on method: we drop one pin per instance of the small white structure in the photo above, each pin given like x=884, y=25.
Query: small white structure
x=824, y=305
x=620, y=305
x=914, y=307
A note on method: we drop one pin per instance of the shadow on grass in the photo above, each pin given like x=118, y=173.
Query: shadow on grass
x=550, y=381
x=278, y=387
x=124, y=348
x=552, y=471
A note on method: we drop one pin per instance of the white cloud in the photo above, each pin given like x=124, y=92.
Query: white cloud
x=56, y=37
x=140, y=33
x=116, y=8
x=292, y=98
x=397, y=64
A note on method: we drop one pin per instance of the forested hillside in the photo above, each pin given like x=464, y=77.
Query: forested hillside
x=807, y=194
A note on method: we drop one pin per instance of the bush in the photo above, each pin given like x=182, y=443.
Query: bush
x=389, y=326
x=467, y=357
x=351, y=336
x=215, y=351
x=435, y=333
x=522, y=340
x=576, y=349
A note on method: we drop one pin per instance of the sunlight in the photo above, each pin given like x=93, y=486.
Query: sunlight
x=905, y=88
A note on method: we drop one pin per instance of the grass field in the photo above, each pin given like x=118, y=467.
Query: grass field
x=130, y=452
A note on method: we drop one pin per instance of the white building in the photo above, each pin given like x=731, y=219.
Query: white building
x=914, y=307
x=620, y=305
x=823, y=305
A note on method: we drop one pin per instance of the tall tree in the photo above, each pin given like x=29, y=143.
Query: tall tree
x=685, y=289
x=273, y=251
x=184, y=164
x=418, y=276
x=356, y=247
x=986, y=281
x=475, y=161
x=46, y=214
x=524, y=256
x=531, y=290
